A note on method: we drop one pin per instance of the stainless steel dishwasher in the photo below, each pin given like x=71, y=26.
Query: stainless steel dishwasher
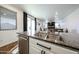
x=23, y=44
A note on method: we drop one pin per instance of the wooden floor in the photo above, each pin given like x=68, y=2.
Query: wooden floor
x=8, y=48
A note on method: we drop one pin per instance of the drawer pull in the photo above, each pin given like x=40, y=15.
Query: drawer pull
x=43, y=46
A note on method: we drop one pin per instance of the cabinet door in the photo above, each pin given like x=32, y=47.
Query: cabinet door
x=54, y=49
x=36, y=49
x=33, y=50
x=61, y=50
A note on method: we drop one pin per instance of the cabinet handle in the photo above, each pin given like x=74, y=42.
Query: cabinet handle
x=42, y=52
x=43, y=46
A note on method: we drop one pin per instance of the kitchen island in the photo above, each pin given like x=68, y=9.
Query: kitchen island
x=54, y=45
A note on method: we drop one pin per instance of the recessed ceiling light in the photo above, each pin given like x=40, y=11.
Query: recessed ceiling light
x=56, y=13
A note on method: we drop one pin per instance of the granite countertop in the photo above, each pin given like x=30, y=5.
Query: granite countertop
x=53, y=41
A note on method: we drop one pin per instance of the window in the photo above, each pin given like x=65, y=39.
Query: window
x=7, y=19
x=30, y=25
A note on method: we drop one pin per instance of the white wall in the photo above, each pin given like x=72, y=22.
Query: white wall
x=72, y=21
x=10, y=35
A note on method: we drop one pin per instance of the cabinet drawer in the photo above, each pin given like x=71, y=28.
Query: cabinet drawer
x=35, y=41
x=61, y=50
x=50, y=47
x=40, y=44
x=34, y=50
x=56, y=49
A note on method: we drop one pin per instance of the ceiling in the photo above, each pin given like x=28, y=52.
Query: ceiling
x=48, y=11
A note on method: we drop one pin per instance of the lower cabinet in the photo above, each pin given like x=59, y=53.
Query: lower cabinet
x=41, y=47
x=36, y=48
x=33, y=50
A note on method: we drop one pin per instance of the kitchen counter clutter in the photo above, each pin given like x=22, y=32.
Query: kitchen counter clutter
x=56, y=42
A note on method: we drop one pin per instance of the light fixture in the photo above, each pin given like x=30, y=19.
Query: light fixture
x=56, y=16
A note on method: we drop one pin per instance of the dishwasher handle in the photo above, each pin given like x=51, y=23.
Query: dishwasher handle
x=23, y=38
